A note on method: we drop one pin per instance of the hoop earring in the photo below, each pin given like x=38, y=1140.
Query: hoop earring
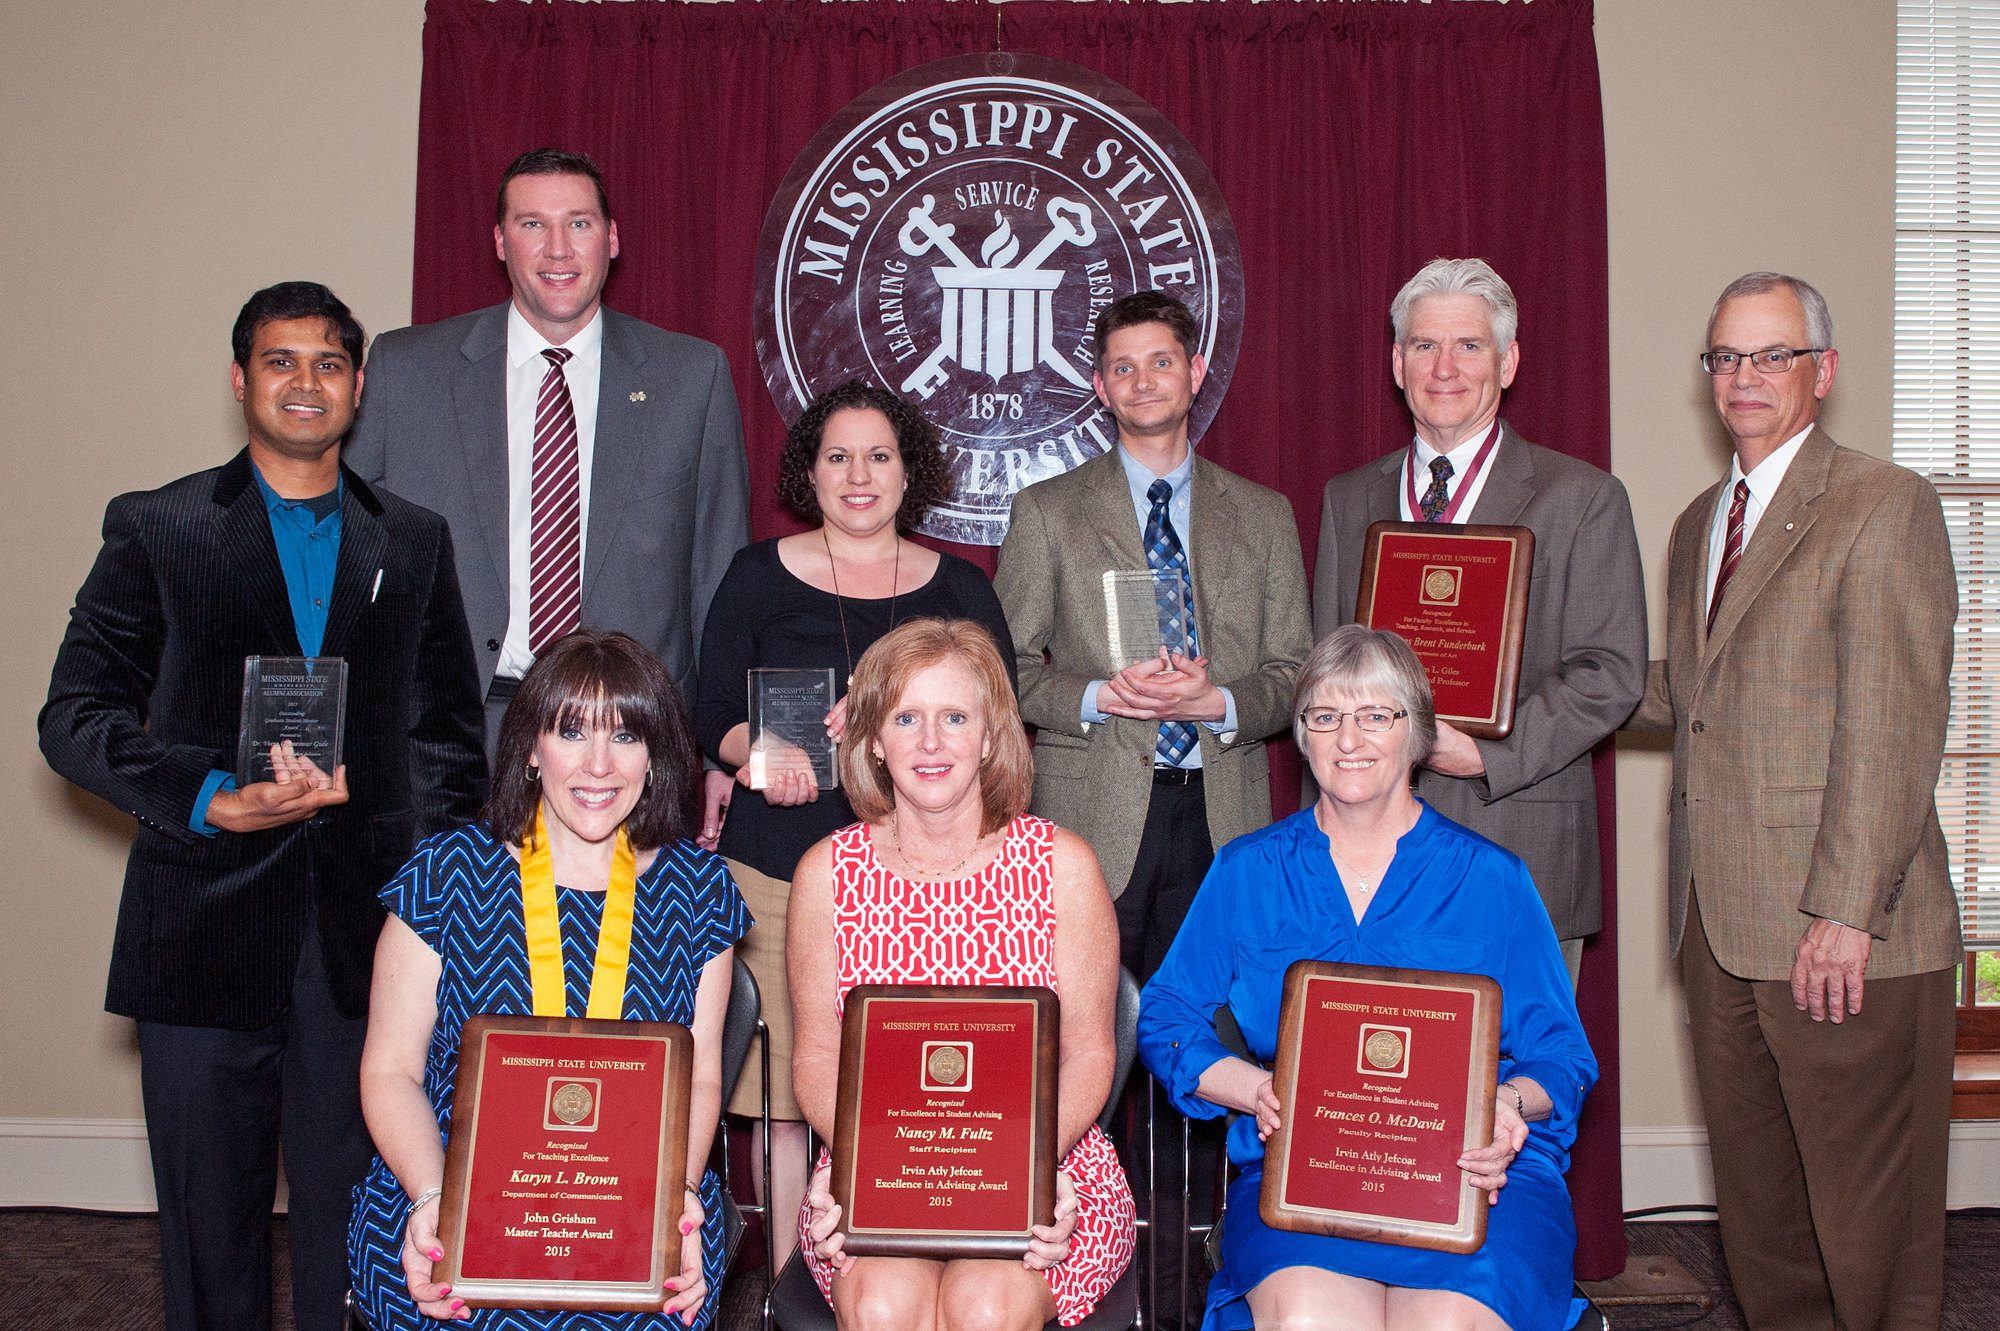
x=534, y=772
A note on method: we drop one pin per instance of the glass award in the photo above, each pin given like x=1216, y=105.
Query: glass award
x=1144, y=610
x=297, y=699
x=788, y=726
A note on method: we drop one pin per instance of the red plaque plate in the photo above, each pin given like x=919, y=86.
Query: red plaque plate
x=1458, y=594
x=1384, y=1078
x=945, y=1133
x=563, y=1176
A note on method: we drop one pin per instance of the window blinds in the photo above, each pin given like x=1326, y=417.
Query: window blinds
x=1947, y=389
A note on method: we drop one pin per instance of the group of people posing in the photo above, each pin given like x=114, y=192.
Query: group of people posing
x=533, y=554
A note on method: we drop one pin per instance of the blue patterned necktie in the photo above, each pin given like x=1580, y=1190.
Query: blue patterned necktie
x=1165, y=555
x=1433, y=502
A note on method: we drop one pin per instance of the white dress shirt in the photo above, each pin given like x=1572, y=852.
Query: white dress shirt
x=525, y=370
x=1461, y=458
x=1764, y=479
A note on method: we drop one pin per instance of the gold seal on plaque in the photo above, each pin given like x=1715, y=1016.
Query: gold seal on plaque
x=1384, y=1049
x=946, y=1065
x=1440, y=584
x=571, y=1103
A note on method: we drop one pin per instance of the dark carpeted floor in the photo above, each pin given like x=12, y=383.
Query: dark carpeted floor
x=78, y=1269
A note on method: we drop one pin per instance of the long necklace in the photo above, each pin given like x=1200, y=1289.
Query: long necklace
x=839, y=607
x=896, y=834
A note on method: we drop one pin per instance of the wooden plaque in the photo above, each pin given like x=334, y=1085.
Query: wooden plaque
x=945, y=1133
x=564, y=1173
x=1458, y=594
x=1384, y=1077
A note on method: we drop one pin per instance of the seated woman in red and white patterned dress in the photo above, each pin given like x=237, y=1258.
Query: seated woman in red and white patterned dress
x=948, y=881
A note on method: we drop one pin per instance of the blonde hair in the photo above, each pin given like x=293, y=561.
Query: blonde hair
x=1006, y=774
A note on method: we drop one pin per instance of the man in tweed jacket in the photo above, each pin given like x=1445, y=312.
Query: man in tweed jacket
x=1811, y=599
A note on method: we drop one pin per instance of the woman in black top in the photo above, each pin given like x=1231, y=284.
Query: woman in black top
x=865, y=466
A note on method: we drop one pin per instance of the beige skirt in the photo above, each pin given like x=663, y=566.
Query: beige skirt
x=763, y=950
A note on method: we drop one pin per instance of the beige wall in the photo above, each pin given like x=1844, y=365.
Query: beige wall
x=1801, y=181
x=162, y=161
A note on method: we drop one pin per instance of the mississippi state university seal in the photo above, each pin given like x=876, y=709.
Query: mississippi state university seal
x=1384, y=1049
x=951, y=236
x=946, y=1066
x=571, y=1104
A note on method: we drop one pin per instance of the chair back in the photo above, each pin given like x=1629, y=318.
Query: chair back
x=739, y=1025
x=1126, y=1026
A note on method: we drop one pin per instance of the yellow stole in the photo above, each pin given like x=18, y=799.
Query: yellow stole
x=614, y=931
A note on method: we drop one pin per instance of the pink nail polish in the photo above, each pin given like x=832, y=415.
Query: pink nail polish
x=687, y=1226
x=437, y=1254
x=456, y=1304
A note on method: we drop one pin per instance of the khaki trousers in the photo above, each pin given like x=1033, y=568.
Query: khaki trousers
x=1829, y=1145
x=763, y=951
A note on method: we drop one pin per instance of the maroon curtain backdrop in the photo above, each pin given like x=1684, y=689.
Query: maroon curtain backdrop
x=1352, y=142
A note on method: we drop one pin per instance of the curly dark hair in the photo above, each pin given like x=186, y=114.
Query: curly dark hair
x=927, y=476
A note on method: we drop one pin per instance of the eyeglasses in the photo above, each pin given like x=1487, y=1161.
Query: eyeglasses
x=1326, y=720
x=1774, y=361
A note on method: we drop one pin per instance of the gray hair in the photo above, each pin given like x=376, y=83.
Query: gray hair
x=1819, y=319
x=1459, y=277
x=1355, y=659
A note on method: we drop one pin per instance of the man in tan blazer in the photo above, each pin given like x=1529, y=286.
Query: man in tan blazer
x=1157, y=764
x=1583, y=655
x=1811, y=599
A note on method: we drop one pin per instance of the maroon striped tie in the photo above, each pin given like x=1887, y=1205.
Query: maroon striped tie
x=1732, y=548
x=555, y=534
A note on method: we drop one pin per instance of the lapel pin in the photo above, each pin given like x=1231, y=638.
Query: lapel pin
x=1790, y=525
x=639, y=396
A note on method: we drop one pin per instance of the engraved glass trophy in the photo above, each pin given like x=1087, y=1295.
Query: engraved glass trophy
x=300, y=699
x=1144, y=610
x=788, y=726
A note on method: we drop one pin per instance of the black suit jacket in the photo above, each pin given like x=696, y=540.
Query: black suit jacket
x=145, y=700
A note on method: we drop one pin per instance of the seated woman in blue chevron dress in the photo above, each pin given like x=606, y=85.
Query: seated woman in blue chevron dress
x=1370, y=874
x=583, y=838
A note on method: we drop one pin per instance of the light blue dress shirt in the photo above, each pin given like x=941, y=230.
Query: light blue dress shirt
x=1140, y=478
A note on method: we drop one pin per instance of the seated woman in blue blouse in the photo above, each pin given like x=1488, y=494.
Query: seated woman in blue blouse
x=1370, y=874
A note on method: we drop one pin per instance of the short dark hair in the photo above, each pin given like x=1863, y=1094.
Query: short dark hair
x=550, y=162
x=594, y=677
x=1145, y=307
x=927, y=477
x=296, y=300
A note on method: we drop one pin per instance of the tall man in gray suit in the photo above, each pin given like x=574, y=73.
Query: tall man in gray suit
x=1583, y=660
x=1810, y=605
x=1157, y=764
x=591, y=465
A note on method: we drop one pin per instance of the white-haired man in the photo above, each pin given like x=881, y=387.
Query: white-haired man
x=1583, y=660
